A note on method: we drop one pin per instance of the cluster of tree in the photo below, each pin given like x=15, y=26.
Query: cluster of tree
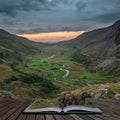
x=1, y=62
x=80, y=58
x=44, y=85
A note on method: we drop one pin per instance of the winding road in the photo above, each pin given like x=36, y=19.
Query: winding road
x=62, y=69
x=67, y=71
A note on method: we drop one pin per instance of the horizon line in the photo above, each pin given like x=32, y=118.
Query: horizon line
x=52, y=36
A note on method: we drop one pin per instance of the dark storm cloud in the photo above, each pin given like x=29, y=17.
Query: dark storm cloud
x=106, y=18
x=37, y=29
x=33, y=16
x=80, y=5
x=30, y=31
x=99, y=10
x=12, y=7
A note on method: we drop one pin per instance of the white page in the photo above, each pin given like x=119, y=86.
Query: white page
x=82, y=108
x=43, y=109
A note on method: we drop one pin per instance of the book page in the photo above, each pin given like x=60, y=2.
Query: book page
x=81, y=108
x=49, y=109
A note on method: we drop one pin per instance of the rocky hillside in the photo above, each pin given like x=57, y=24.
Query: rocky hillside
x=101, y=42
x=102, y=45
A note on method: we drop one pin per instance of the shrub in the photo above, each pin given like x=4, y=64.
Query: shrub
x=80, y=58
x=44, y=85
x=9, y=80
x=1, y=62
x=84, y=77
x=55, y=68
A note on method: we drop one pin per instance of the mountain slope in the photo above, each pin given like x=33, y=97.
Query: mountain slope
x=101, y=42
x=102, y=46
x=16, y=43
x=12, y=48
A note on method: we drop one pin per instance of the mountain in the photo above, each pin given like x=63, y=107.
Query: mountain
x=102, y=44
x=14, y=48
x=34, y=43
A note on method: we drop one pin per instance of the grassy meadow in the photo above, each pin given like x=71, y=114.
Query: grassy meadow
x=41, y=77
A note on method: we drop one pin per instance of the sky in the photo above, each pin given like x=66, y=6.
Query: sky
x=54, y=20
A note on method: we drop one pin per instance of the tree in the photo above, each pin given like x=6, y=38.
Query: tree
x=80, y=58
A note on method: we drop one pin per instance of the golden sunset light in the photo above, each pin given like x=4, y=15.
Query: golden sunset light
x=52, y=36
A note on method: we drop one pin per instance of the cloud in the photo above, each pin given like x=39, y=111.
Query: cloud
x=34, y=16
x=101, y=11
x=13, y=7
x=52, y=36
x=80, y=5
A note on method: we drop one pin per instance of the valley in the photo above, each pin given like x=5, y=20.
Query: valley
x=59, y=59
x=42, y=72
x=54, y=69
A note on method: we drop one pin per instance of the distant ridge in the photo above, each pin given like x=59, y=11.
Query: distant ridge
x=102, y=46
x=14, y=48
x=103, y=41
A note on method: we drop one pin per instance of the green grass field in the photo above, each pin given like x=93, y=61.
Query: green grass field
x=43, y=65
x=5, y=72
x=79, y=75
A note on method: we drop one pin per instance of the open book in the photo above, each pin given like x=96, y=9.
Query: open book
x=73, y=109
